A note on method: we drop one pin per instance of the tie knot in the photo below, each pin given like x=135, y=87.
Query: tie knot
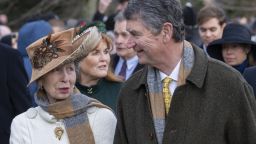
x=167, y=80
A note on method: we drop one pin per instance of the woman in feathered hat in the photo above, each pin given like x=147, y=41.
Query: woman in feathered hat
x=235, y=48
x=63, y=114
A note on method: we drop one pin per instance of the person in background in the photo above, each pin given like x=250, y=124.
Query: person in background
x=181, y=95
x=4, y=30
x=63, y=114
x=211, y=21
x=191, y=28
x=235, y=48
x=10, y=40
x=100, y=14
x=95, y=76
x=29, y=33
x=15, y=97
x=3, y=19
x=125, y=62
x=57, y=25
x=253, y=30
x=249, y=75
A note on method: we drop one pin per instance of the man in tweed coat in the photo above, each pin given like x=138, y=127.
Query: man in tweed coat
x=211, y=103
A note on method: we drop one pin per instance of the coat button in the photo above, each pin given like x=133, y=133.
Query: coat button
x=173, y=131
x=151, y=136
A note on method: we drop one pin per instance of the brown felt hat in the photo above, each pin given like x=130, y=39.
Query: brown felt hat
x=56, y=49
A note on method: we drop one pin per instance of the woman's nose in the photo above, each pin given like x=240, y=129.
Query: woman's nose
x=65, y=76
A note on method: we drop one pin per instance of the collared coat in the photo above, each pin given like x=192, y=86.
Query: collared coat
x=215, y=106
x=36, y=126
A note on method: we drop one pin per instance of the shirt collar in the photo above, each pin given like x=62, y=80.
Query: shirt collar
x=174, y=75
x=131, y=62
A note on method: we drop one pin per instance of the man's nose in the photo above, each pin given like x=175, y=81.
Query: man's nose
x=208, y=33
x=118, y=39
x=131, y=43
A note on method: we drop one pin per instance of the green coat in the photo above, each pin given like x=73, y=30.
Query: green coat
x=105, y=91
x=215, y=106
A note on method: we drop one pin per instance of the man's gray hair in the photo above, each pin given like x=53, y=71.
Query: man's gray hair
x=119, y=17
x=154, y=13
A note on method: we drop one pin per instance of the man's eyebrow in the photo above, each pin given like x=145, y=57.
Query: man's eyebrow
x=134, y=32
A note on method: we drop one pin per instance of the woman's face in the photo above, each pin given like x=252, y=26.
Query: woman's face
x=95, y=65
x=234, y=54
x=59, y=83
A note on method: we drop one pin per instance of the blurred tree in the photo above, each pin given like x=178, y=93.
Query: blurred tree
x=233, y=8
x=19, y=11
x=238, y=7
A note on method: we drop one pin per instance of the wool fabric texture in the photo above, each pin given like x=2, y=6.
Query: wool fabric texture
x=155, y=89
x=73, y=111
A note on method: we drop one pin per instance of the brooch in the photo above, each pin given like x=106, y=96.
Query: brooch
x=58, y=132
x=89, y=90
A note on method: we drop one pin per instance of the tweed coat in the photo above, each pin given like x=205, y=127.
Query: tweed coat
x=215, y=106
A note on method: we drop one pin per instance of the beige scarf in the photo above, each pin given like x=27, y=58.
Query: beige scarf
x=73, y=111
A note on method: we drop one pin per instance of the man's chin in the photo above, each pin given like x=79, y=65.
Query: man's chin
x=142, y=61
x=120, y=54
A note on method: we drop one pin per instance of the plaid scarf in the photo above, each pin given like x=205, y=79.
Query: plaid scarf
x=155, y=88
x=73, y=111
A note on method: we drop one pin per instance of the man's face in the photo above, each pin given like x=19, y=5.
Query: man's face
x=149, y=47
x=121, y=39
x=210, y=30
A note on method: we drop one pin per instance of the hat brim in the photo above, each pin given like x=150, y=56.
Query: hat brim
x=36, y=73
x=87, y=45
x=214, y=49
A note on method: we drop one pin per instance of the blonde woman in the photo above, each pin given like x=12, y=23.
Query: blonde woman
x=96, y=79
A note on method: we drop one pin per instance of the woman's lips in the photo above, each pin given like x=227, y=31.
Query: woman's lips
x=64, y=90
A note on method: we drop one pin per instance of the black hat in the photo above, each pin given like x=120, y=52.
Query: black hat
x=233, y=34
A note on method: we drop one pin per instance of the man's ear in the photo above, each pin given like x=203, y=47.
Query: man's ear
x=167, y=31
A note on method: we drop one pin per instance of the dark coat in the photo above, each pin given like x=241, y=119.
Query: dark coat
x=250, y=76
x=114, y=60
x=14, y=97
x=215, y=106
x=105, y=91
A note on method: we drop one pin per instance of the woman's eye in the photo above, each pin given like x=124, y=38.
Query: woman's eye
x=107, y=51
x=95, y=52
x=57, y=69
x=71, y=68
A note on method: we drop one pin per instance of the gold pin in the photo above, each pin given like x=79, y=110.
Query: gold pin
x=58, y=132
